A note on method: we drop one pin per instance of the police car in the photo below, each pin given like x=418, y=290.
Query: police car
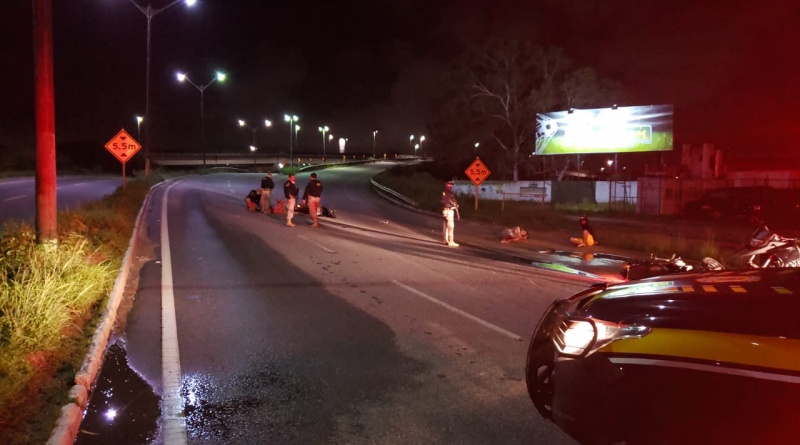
x=710, y=358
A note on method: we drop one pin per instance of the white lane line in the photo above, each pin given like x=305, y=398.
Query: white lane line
x=172, y=406
x=458, y=311
x=317, y=244
x=14, y=197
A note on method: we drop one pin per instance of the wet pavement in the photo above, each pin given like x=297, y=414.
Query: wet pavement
x=123, y=408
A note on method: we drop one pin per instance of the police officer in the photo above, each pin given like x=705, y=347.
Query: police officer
x=290, y=191
x=267, y=184
x=449, y=209
x=312, y=196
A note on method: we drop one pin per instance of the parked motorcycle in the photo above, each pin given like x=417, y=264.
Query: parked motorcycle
x=768, y=249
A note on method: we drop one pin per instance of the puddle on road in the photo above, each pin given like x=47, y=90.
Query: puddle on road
x=123, y=409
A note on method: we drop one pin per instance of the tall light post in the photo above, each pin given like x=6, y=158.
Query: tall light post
x=411, y=143
x=139, y=120
x=242, y=123
x=253, y=149
x=296, y=129
x=421, y=140
x=201, y=88
x=151, y=12
x=291, y=120
x=374, y=133
x=324, y=130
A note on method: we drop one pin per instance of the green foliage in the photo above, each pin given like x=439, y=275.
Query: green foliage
x=47, y=292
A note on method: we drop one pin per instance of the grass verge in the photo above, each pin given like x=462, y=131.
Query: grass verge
x=425, y=190
x=51, y=296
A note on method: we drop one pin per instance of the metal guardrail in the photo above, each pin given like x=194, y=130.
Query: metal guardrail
x=394, y=194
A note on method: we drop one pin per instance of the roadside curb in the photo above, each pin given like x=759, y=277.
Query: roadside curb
x=68, y=423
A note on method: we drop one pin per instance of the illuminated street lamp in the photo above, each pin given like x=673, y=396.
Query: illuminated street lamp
x=374, y=133
x=201, y=88
x=323, y=130
x=253, y=149
x=291, y=120
x=416, y=147
x=421, y=140
x=139, y=120
x=149, y=12
x=296, y=129
x=267, y=123
x=411, y=141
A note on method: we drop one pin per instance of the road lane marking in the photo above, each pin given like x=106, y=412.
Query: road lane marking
x=172, y=406
x=458, y=311
x=317, y=244
x=14, y=197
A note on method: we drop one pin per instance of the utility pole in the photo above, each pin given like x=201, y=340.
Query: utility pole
x=46, y=204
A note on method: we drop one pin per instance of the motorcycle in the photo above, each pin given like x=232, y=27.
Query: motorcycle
x=768, y=249
x=321, y=210
x=655, y=266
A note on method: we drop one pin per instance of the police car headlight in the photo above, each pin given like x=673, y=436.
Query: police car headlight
x=581, y=337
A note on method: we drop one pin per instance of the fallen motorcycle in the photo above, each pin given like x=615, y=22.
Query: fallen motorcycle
x=655, y=266
x=321, y=211
x=768, y=249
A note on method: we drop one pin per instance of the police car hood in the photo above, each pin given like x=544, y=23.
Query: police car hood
x=755, y=302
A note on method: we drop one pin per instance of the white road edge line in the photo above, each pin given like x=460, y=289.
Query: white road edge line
x=14, y=197
x=317, y=244
x=171, y=404
x=458, y=311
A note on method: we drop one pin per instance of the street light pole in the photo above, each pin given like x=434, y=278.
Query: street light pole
x=323, y=130
x=373, y=142
x=139, y=120
x=291, y=120
x=421, y=140
x=296, y=142
x=201, y=88
x=149, y=12
x=411, y=143
x=242, y=123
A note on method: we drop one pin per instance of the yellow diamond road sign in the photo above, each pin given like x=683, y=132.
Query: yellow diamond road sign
x=477, y=171
x=123, y=146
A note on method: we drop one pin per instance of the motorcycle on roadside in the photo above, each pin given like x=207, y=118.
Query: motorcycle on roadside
x=768, y=249
x=764, y=249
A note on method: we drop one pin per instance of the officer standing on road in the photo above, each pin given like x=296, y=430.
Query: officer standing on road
x=449, y=209
x=267, y=184
x=312, y=196
x=290, y=191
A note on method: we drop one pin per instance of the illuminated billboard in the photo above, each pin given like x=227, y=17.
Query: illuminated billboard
x=605, y=130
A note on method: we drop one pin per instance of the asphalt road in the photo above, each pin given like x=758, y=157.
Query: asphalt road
x=367, y=330
x=18, y=195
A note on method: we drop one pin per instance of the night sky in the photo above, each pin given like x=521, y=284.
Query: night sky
x=731, y=68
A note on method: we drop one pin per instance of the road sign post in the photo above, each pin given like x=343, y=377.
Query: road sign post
x=123, y=147
x=477, y=172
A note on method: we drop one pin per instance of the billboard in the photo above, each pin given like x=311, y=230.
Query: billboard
x=605, y=130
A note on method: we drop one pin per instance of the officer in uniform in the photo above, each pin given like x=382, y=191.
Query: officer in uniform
x=267, y=184
x=449, y=209
x=290, y=191
x=312, y=196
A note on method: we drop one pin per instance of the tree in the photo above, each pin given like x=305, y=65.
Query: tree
x=498, y=89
